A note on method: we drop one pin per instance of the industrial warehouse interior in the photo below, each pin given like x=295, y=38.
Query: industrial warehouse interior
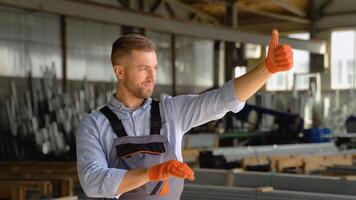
x=178, y=99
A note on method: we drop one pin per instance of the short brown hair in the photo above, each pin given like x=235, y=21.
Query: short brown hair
x=125, y=44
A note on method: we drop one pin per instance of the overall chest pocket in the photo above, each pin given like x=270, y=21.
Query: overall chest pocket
x=130, y=149
x=138, y=152
x=140, y=155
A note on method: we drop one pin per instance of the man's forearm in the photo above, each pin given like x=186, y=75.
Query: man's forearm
x=248, y=84
x=132, y=180
x=138, y=177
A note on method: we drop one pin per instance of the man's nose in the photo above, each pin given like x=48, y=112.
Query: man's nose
x=152, y=73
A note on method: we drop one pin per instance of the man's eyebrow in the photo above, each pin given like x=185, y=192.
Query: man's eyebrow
x=147, y=65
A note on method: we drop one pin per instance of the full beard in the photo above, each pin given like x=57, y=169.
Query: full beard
x=139, y=92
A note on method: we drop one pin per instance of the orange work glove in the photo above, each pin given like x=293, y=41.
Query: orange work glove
x=279, y=56
x=175, y=168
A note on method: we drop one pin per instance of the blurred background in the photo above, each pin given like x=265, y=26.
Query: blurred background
x=295, y=137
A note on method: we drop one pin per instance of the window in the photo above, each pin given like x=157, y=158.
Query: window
x=239, y=71
x=343, y=59
x=89, y=50
x=284, y=80
x=194, y=64
x=164, y=56
x=252, y=51
x=29, y=41
x=164, y=80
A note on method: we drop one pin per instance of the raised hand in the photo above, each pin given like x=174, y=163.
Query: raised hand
x=279, y=56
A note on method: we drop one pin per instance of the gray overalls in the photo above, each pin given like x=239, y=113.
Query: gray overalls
x=134, y=152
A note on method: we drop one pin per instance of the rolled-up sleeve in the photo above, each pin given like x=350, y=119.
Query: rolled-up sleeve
x=96, y=179
x=194, y=110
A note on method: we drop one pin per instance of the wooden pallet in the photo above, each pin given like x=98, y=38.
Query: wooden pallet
x=274, y=160
x=254, y=161
x=61, y=181
x=62, y=175
x=339, y=160
x=17, y=189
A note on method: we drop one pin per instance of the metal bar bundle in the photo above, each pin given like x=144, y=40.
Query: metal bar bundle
x=341, y=170
x=204, y=192
x=43, y=119
x=237, y=153
x=305, y=183
x=279, y=181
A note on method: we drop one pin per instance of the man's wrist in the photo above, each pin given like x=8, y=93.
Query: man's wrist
x=146, y=172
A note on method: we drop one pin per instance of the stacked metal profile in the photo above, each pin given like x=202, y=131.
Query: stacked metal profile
x=237, y=153
x=224, y=184
x=342, y=170
x=205, y=192
x=42, y=119
x=294, y=182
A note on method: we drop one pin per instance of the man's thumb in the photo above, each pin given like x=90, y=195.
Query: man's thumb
x=274, y=39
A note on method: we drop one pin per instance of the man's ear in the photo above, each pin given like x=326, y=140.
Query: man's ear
x=119, y=71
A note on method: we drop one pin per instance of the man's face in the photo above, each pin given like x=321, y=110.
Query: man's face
x=139, y=73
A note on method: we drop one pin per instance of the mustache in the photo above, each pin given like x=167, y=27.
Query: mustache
x=149, y=81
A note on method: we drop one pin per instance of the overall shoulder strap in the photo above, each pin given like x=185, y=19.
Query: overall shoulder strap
x=156, y=122
x=115, y=122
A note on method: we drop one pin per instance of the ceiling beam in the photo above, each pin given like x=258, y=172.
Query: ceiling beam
x=169, y=10
x=156, y=5
x=324, y=6
x=273, y=15
x=231, y=15
x=334, y=21
x=286, y=4
x=282, y=26
x=189, y=8
x=119, y=16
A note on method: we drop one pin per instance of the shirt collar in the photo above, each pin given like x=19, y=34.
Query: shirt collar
x=118, y=106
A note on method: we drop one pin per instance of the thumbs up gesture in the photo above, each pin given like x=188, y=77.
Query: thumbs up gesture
x=279, y=56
